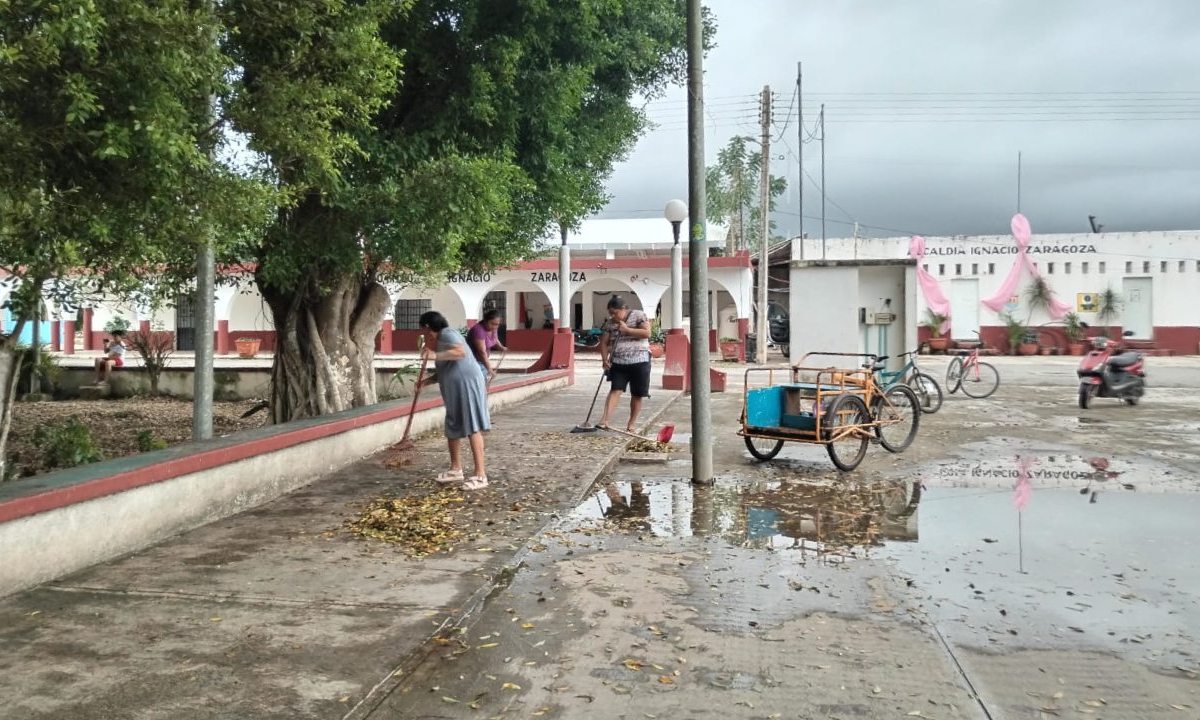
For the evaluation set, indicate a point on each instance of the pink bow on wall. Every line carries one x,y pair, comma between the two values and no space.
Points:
930,288
1021,233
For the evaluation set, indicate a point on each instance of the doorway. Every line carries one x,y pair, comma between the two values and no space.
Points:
964,309
1139,308
185,323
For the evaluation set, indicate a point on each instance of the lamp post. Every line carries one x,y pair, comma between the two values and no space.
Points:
676,212
564,281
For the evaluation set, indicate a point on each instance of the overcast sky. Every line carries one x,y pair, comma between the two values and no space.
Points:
928,103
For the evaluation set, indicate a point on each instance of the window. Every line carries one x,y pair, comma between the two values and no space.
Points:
974,268
1101,269
991,269
941,269
1162,266
1066,268
1182,266
958,269
1146,266
1083,268
1128,267
1049,268
408,313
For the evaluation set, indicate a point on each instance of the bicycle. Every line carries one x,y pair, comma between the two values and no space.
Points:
927,389
976,378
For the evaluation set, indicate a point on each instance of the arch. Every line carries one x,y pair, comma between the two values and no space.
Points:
535,296
248,311
445,299
592,295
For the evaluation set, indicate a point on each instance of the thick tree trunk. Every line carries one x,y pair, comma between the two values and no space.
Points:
10,370
325,345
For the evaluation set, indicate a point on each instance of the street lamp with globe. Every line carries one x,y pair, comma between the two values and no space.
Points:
676,212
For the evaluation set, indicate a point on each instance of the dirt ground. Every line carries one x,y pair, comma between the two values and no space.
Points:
114,425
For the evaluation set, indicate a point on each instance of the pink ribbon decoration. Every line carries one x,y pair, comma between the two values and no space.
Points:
930,288
1022,491
1021,233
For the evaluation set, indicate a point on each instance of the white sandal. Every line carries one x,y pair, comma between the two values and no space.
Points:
450,477
475,482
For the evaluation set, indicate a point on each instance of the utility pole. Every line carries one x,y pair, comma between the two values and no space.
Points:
702,471
205,304
800,146
764,260
822,181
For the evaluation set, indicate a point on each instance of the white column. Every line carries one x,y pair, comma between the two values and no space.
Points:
676,286
564,286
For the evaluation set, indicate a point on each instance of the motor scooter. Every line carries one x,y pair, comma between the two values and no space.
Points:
1107,371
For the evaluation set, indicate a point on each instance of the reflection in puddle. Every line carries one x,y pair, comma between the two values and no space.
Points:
767,515
1061,569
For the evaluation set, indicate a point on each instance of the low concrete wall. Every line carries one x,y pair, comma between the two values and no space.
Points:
62,522
231,384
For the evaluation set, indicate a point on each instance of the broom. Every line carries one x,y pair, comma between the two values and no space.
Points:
405,442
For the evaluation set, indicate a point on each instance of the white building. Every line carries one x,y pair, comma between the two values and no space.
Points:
1156,275
627,257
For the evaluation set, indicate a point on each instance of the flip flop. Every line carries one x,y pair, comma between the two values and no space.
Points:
449,477
475,482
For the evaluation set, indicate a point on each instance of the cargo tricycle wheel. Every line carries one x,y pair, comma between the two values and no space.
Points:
846,446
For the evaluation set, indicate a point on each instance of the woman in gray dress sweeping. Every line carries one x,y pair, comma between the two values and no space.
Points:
464,394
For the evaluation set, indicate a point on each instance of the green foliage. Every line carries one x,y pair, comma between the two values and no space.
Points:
656,332
1108,307
49,371
734,195
934,322
117,323
1015,330
67,444
1073,327
506,119
1039,296
146,441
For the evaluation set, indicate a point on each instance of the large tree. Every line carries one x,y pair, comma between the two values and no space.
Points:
106,170
735,194
505,119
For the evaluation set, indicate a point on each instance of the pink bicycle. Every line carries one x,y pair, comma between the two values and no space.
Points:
976,378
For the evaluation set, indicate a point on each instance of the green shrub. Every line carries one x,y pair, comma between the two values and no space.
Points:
147,442
49,370
67,445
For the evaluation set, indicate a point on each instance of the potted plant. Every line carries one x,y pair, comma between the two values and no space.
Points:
934,322
1015,331
1073,329
1029,343
247,347
656,339
1108,307
729,348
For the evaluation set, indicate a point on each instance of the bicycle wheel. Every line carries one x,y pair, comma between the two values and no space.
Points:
898,414
844,427
980,380
763,448
928,392
954,375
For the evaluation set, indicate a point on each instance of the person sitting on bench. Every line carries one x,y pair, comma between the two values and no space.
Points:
114,357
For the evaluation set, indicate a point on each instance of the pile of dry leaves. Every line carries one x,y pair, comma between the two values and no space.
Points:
418,525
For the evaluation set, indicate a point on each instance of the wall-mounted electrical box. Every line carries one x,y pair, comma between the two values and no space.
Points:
879,318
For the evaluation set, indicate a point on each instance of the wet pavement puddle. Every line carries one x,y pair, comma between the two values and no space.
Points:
1064,570
1058,549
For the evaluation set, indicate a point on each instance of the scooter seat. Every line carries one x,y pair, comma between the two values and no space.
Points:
1125,359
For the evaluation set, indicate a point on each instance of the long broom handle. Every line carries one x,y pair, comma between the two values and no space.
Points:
416,388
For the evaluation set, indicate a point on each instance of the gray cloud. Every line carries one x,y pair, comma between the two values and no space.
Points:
1099,96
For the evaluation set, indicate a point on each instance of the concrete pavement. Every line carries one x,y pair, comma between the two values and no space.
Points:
280,612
